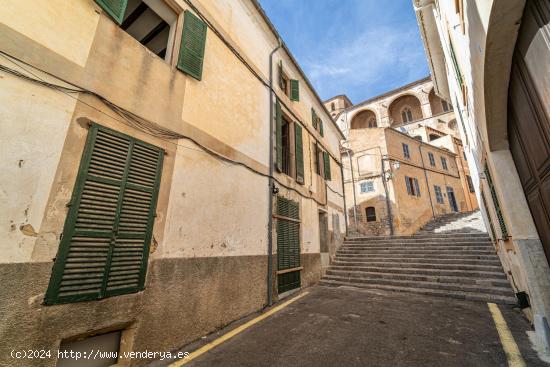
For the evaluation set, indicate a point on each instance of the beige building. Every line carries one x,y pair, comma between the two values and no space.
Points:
491,59
142,206
408,164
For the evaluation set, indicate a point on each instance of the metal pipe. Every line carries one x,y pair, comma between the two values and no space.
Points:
388,204
271,184
353,188
427,183
344,196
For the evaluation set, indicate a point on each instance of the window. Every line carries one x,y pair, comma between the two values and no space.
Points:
438,194
289,144
326,158
432,159
433,137
446,106
444,163
317,153
464,154
500,216
371,122
406,114
316,122
413,188
370,212
470,183
290,87
153,24
332,107
406,153
107,232
367,186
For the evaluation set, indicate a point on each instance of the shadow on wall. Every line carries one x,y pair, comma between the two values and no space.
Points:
372,217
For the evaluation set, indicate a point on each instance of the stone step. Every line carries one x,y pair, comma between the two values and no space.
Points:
432,292
395,264
501,291
423,271
419,238
437,255
416,244
418,277
410,252
418,260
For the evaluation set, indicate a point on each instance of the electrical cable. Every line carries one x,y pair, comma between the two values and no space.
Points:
131,119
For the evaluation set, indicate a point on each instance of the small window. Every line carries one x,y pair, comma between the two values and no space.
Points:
318,160
432,159
290,87
370,212
444,163
152,23
285,129
438,194
418,137
406,153
332,107
367,186
371,122
406,115
413,188
470,183
446,106
433,137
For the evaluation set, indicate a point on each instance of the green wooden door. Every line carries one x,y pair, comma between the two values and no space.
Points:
288,244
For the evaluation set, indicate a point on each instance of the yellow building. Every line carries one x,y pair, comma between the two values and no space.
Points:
142,204
413,129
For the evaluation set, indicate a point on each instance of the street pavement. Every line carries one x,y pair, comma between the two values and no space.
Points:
351,327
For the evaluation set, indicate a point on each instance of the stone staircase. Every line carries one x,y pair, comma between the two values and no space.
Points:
451,256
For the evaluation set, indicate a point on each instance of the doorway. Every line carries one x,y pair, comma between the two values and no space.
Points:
323,232
452,199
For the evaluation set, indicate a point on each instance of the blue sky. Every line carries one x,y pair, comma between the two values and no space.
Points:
361,48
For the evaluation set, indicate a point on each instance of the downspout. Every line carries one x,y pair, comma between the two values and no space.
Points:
271,185
426,177
353,188
388,204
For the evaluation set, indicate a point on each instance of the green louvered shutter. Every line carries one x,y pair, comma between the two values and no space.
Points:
314,118
193,41
299,153
115,8
288,234
321,128
106,237
294,90
281,78
496,203
278,136
326,158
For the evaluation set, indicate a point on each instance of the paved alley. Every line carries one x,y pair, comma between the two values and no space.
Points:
351,327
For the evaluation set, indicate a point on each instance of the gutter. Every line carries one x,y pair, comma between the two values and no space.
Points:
271,185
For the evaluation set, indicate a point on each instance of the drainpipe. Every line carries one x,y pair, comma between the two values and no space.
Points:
388,204
271,184
426,177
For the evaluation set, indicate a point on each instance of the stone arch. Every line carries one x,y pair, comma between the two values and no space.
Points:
363,119
437,104
398,110
502,31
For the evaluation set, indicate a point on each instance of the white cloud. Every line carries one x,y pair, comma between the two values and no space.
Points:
365,61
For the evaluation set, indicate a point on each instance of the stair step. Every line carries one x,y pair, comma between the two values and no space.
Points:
423,271
405,253
418,248
460,259
419,237
426,241
472,296
419,260
500,291
442,266
425,278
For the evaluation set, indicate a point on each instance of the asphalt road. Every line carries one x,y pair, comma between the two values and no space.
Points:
351,327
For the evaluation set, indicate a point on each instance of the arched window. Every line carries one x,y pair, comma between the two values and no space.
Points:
371,122
370,214
446,106
332,107
406,115
452,124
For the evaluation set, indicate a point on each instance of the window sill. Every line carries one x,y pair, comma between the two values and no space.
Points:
279,272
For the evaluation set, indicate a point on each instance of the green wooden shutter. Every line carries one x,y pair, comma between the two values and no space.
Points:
321,128
294,90
106,237
115,8
299,153
278,136
496,203
193,41
314,118
288,234
326,159
281,79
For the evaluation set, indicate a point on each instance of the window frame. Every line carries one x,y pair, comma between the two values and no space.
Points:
444,163
406,151
439,195
369,216
366,187
431,158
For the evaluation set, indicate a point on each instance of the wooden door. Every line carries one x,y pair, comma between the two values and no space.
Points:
529,113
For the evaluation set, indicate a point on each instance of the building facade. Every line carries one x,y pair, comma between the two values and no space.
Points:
161,177
403,161
491,59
